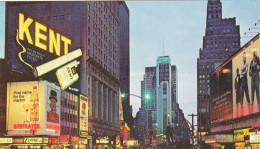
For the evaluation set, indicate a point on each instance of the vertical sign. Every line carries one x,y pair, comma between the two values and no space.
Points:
83,116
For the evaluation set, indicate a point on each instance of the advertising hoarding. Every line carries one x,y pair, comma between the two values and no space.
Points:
221,105
102,140
239,135
246,67
132,143
254,137
234,87
33,108
31,43
83,123
6,140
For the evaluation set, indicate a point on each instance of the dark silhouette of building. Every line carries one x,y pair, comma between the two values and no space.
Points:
221,40
124,63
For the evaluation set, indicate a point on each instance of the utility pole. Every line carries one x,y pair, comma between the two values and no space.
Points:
192,126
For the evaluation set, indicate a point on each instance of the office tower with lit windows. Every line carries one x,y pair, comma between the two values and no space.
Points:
163,95
153,87
221,40
94,27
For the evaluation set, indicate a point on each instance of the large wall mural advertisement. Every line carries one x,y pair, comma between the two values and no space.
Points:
246,68
234,87
33,108
38,50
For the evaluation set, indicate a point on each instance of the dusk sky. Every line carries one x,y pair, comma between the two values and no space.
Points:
181,24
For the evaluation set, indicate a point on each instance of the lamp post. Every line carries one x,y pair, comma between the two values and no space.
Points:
146,108
147,97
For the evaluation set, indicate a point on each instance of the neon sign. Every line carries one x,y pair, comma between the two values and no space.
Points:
40,35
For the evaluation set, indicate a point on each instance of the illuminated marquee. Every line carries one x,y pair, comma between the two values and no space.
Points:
41,30
6,140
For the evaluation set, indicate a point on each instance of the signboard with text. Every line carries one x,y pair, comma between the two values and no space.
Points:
35,140
239,135
221,103
35,108
6,140
83,123
32,43
234,86
255,137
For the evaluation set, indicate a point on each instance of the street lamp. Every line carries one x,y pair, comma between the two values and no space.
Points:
147,97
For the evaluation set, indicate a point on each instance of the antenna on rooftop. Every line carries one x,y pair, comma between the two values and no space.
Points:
163,47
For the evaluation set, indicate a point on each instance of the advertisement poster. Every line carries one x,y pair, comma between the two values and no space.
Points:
53,109
235,86
246,67
239,135
221,94
26,108
83,116
32,43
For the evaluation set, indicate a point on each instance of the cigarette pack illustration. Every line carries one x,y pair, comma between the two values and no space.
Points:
67,74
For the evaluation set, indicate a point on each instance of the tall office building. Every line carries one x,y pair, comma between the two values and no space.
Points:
221,40
124,63
162,91
95,28
163,95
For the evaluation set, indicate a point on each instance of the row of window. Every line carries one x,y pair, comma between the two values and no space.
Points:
68,130
69,117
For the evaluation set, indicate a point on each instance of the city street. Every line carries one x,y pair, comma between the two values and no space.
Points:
178,74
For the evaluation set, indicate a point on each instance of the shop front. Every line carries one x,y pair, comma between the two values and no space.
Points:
105,142
5,143
24,143
219,141
241,138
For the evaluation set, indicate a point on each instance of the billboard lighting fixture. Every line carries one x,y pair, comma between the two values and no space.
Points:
226,70
56,63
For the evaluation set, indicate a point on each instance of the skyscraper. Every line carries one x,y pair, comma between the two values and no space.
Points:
124,65
163,94
95,28
160,84
221,40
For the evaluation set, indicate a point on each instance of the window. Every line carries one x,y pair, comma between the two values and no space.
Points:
164,88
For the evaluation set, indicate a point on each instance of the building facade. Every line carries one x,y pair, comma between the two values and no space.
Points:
234,101
160,84
221,40
94,27
164,96
124,62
